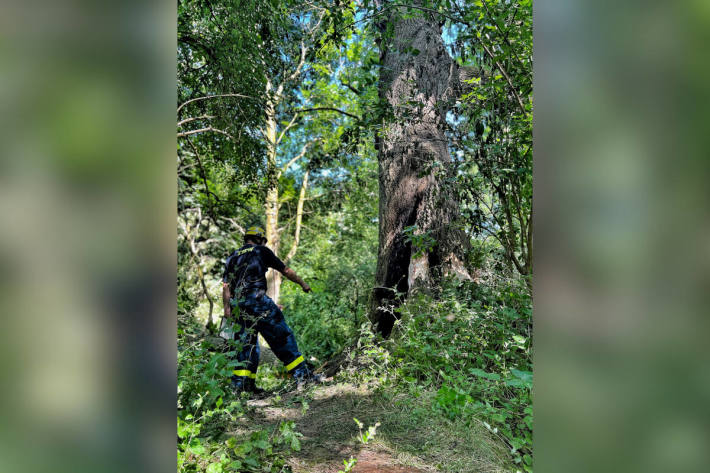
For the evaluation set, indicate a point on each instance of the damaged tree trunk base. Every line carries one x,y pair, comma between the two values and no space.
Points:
419,240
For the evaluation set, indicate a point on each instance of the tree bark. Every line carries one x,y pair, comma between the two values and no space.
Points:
274,173
271,205
276,277
419,240
299,218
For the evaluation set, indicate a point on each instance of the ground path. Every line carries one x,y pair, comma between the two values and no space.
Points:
404,443
329,431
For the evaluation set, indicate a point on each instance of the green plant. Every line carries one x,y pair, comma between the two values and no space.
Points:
469,343
206,406
422,242
473,344
324,322
364,438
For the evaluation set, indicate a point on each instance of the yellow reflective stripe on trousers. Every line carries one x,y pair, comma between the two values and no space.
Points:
244,373
294,363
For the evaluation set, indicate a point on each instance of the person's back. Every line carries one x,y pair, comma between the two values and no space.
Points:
246,268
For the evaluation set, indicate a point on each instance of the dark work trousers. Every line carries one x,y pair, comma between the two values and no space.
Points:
259,314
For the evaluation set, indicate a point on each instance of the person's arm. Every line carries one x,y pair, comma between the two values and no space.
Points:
272,261
292,276
226,295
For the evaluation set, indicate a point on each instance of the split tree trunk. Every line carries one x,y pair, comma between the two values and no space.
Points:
418,81
276,277
274,172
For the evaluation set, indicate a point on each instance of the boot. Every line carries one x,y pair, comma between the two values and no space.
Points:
248,385
304,374
252,388
240,385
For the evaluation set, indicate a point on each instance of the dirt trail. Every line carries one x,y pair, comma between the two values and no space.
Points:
329,431
404,442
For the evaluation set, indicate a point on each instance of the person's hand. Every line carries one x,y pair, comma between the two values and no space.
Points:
306,287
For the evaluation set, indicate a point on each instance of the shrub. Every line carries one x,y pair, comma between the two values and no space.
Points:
206,406
472,344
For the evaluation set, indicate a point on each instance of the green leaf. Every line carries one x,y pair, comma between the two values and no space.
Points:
214,468
526,376
182,429
196,447
262,444
252,461
243,449
480,373
517,383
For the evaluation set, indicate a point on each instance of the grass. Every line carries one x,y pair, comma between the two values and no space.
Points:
412,430
411,433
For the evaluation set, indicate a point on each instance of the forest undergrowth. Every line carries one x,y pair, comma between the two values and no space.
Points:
450,390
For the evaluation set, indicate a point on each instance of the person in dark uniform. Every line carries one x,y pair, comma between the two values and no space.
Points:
244,295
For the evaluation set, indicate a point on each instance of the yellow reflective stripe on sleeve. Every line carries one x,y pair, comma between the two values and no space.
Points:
252,376
242,373
294,363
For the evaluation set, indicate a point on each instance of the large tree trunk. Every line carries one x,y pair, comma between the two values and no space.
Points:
419,82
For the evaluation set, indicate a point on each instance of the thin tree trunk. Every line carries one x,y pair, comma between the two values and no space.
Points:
271,205
418,81
272,229
277,277
299,218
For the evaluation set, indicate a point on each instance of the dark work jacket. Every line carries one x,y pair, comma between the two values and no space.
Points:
245,270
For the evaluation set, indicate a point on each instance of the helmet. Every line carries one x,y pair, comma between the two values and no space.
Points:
256,231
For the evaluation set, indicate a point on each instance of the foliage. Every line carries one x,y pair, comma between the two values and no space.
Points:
494,131
473,344
422,242
220,51
337,257
206,407
201,375
324,323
